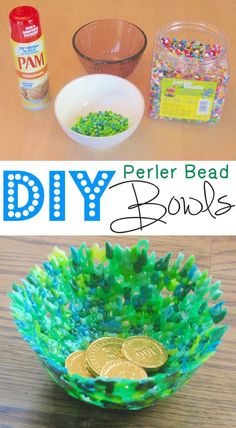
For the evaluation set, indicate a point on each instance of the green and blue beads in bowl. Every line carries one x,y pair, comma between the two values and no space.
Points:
101,124
114,291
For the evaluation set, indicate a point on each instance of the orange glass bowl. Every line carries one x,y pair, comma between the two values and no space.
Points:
109,46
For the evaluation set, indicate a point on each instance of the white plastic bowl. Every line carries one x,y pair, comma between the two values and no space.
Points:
99,92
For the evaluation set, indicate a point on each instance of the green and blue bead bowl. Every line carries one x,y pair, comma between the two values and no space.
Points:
113,291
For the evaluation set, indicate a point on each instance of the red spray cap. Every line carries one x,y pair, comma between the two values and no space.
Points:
25,24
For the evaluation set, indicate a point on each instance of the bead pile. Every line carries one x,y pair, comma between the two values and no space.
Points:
101,124
192,49
189,60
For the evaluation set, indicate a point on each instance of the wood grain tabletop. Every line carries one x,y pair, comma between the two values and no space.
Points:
27,135
30,399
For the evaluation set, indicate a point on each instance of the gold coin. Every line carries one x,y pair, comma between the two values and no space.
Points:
76,364
123,369
102,351
145,352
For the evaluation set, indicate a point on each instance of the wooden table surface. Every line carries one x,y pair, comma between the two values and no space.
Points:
27,135
30,399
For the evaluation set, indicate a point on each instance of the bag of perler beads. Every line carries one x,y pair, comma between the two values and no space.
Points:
190,73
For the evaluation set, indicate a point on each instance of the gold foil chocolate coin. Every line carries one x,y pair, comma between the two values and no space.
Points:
76,364
145,352
123,369
102,351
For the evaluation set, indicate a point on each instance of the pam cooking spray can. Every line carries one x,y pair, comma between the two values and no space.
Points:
29,57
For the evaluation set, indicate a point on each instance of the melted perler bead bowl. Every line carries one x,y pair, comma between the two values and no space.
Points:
113,291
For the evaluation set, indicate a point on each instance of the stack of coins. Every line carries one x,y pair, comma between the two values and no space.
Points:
114,357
